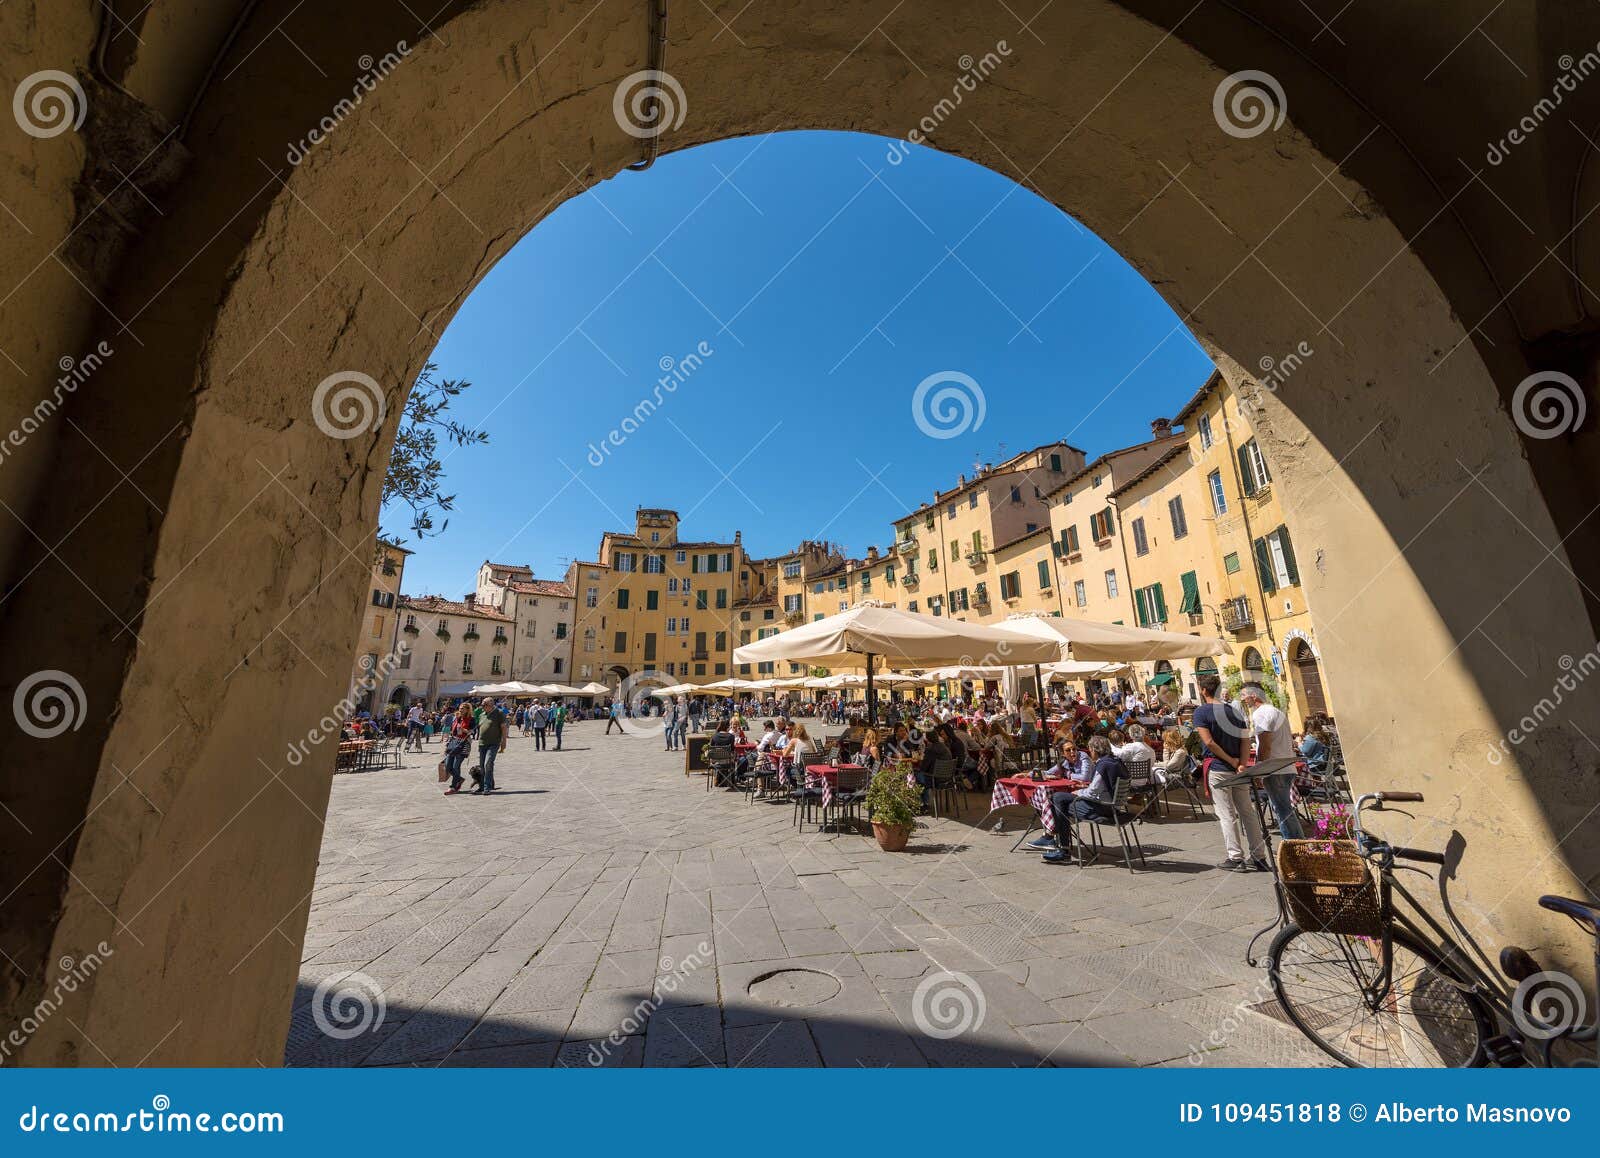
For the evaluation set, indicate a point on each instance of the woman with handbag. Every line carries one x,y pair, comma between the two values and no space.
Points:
457,745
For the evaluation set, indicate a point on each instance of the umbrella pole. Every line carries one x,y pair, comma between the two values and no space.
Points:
872,700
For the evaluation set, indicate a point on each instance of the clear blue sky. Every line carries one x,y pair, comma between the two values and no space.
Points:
827,284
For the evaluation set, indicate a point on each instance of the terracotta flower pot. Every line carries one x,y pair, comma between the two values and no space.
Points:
891,837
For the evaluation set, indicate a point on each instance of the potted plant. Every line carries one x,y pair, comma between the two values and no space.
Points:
893,803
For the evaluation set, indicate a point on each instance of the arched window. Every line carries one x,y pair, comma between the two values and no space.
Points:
1252,661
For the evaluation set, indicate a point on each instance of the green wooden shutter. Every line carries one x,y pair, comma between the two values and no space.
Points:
1161,604
1247,474
694,564
1138,608
1269,579
1190,583
1288,557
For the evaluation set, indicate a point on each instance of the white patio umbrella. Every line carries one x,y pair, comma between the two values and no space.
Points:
869,632
1086,639
674,690
815,682
559,690
593,689
731,684
494,689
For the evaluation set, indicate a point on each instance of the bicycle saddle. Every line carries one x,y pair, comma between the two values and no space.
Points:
1581,911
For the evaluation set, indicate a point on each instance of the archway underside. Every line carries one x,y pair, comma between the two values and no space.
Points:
249,524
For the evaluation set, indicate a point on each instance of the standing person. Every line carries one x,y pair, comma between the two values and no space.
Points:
492,737
539,720
414,728
614,718
696,711
457,746
558,720
1221,729
669,721
1030,720
1273,742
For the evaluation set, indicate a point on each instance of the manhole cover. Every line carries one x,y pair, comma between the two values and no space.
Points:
794,987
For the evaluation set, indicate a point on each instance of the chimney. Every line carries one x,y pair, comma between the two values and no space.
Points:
1160,427
872,554
472,598
962,480
737,535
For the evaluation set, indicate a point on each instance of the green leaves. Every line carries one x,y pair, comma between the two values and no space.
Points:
416,472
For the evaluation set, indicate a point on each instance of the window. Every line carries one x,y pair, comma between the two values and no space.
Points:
912,606
622,598
722,641
1219,500
955,550
699,600
791,603
1205,432
1111,584
1141,544
588,639
727,561
466,664
1011,585
649,647
1150,606
722,669
411,620
555,665
627,562
933,560
972,501
1066,498
958,600
672,625
382,598
1016,494
950,511
1230,562
1253,474
1180,525
767,614
652,600
1080,596
591,597
1190,582
744,637
1055,463
680,557
977,541
672,586
494,665
530,630
790,570
1069,541
1044,574
1275,561
684,586
621,641
561,630
655,564
699,669
866,581
936,606
1095,482
1100,526
722,598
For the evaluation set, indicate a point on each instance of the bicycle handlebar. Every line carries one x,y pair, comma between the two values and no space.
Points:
1399,797
1371,845
1421,854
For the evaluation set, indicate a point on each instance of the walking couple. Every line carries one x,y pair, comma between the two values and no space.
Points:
493,733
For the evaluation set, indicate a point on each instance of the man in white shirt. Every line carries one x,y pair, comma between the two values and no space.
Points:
1273,742
414,727
1136,748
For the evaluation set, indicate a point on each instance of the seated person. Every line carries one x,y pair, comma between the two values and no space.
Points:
1135,748
872,747
1314,750
1091,803
934,749
719,749
964,747
1179,765
1072,764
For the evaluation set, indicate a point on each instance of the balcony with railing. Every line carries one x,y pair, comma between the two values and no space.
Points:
910,579
980,595
906,544
978,557
793,616
1237,615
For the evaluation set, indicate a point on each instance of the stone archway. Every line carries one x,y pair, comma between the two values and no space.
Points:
1306,678
270,278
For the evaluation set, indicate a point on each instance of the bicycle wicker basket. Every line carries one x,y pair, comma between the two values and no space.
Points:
1328,888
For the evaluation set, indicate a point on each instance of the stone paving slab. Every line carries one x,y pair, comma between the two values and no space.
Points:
607,911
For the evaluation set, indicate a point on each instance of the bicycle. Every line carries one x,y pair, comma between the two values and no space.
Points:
1375,983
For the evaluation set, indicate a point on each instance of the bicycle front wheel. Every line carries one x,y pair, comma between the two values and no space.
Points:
1424,1021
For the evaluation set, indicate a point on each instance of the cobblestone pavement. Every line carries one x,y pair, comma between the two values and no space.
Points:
602,909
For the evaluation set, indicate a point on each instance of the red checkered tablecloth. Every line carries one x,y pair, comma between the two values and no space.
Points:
826,777
1024,790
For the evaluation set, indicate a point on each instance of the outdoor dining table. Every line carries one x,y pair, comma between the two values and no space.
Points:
826,777
1027,790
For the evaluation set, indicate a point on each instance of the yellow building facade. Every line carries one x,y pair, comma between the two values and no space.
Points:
377,634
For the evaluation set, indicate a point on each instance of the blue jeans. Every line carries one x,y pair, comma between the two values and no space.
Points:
453,762
1069,806
486,755
1278,788
558,736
